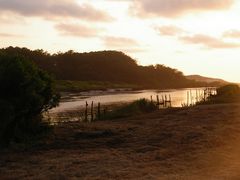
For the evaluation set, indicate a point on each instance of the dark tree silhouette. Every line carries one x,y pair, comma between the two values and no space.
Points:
26,92
109,66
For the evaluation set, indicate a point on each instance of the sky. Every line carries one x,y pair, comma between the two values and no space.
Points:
194,36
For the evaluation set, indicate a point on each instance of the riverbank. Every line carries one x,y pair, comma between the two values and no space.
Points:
71,102
81,86
200,142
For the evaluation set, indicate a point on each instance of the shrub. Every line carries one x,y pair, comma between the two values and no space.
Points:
7,118
229,90
136,107
226,94
26,92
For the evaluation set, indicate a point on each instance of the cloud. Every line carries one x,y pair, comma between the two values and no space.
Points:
174,8
208,41
169,30
232,34
132,50
13,19
51,9
114,42
77,30
123,44
8,35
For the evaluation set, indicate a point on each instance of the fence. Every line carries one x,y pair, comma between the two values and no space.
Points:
96,111
200,96
92,112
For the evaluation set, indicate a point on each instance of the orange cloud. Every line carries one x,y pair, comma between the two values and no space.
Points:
232,34
123,44
52,9
208,41
169,30
111,42
174,8
7,35
77,30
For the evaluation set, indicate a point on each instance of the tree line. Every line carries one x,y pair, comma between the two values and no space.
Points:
107,66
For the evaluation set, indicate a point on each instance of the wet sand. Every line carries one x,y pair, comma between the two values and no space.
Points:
194,143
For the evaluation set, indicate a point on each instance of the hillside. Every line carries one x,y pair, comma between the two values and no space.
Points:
106,66
206,79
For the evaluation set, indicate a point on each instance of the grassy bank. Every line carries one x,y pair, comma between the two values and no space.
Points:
226,94
107,112
178,143
134,108
76,86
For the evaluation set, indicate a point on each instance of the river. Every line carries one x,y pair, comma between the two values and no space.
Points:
72,104
71,101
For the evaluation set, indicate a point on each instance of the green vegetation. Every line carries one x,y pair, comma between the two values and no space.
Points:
76,86
137,107
26,92
230,90
226,94
105,66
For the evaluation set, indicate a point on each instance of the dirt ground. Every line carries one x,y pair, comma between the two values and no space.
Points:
194,143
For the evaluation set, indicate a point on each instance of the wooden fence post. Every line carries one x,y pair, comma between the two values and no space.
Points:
86,112
163,101
191,97
170,100
92,111
204,95
104,112
166,101
158,103
99,111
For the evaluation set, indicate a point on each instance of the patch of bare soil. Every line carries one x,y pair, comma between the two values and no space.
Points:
194,143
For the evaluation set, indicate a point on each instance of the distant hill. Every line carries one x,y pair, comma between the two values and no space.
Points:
206,79
107,66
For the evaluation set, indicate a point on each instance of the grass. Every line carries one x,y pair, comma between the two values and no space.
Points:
23,136
137,107
223,99
225,94
75,86
27,141
200,142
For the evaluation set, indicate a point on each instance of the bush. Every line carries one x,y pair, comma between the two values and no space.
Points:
136,107
7,118
226,94
229,90
25,93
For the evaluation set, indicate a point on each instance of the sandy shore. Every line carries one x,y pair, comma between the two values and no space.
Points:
196,143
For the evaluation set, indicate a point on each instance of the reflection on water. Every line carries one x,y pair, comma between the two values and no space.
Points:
71,101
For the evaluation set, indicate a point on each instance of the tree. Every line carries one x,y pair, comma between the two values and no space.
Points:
25,93
230,90
106,66
226,94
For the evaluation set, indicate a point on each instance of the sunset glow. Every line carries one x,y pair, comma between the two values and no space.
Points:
195,36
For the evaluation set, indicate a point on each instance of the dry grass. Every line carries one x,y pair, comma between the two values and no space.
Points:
194,143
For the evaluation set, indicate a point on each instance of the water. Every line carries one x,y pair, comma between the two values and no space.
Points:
73,101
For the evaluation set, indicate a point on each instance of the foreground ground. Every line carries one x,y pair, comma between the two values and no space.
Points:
195,143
